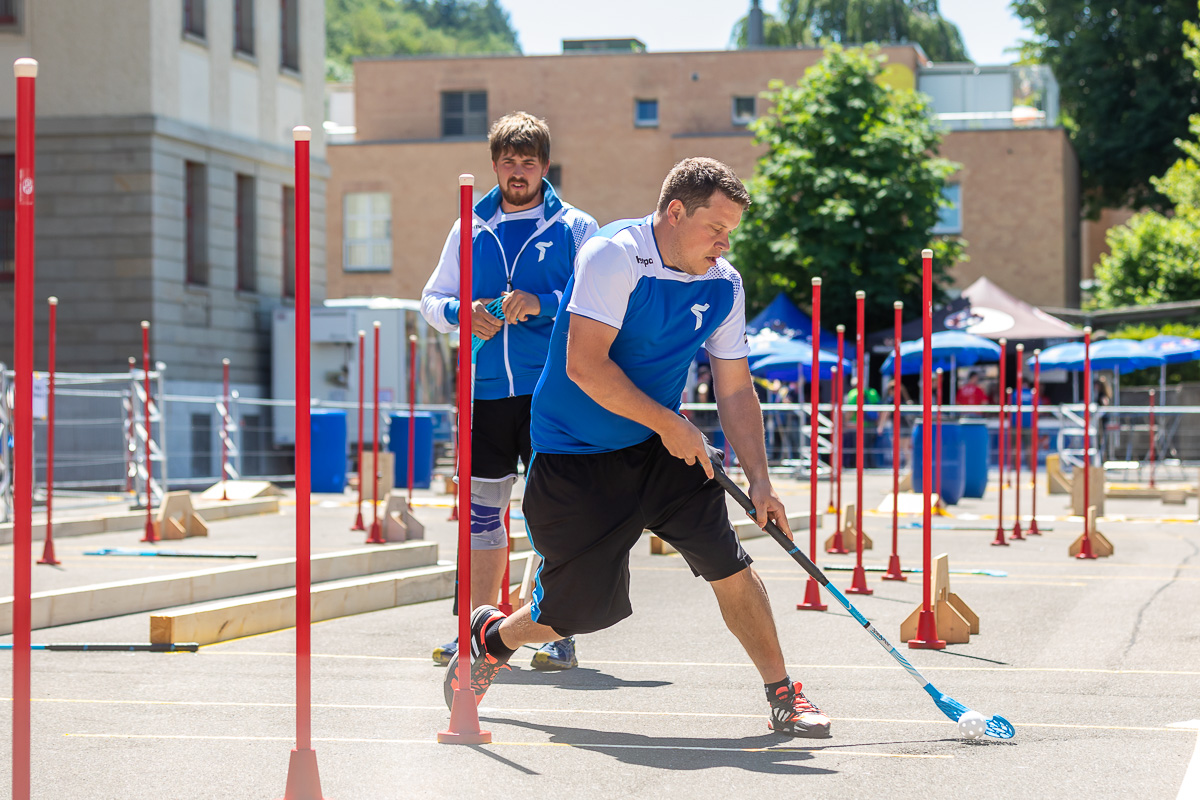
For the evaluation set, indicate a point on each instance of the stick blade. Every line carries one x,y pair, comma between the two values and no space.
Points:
997,727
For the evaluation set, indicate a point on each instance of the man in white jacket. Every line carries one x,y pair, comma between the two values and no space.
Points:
524,243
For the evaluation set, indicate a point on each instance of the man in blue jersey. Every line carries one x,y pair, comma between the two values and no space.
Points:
615,457
524,243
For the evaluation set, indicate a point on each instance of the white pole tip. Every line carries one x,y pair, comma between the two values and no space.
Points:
362,334
412,337
377,323
1037,352
841,328
25,68
816,282
1088,330
225,361
1020,348
860,295
52,301
1003,342
145,324
898,304
927,253
301,133
466,179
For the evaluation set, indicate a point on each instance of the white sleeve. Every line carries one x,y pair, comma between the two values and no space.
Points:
442,287
728,341
604,279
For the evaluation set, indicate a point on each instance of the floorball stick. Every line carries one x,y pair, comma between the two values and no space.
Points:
997,726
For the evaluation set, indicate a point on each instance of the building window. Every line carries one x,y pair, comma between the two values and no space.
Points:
554,175
243,27
464,114
743,110
8,219
9,13
367,232
247,232
196,257
645,113
289,34
193,18
289,241
202,445
950,213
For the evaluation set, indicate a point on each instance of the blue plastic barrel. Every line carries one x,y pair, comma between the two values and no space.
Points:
422,449
953,456
977,446
328,427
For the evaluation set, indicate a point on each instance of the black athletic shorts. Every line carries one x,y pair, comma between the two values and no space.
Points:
500,436
585,512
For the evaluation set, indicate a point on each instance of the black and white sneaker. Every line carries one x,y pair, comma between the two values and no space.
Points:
792,713
484,667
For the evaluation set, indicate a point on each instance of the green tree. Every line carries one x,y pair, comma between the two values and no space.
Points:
1126,90
357,28
1152,257
848,190
808,22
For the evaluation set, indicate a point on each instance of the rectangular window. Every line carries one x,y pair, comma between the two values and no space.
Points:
289,241
645,113
367,232
464,114
8,221
243,27
193,18
554,175
8,12
202,445
289,34
247,233
950,213
196,257
743,110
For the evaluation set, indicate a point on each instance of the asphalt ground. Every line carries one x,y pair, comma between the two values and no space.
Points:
1094,663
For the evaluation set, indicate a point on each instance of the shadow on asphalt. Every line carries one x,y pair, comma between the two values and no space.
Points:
584,679
764,754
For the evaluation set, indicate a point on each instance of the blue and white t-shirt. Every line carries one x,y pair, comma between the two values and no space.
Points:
663,317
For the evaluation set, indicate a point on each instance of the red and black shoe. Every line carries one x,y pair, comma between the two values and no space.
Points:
484,667
792,713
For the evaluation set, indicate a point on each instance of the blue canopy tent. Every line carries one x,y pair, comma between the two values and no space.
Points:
782,318
788,356
1119,355
951,350
1175,350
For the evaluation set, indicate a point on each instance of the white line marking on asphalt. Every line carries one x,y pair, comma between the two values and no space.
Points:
1190,788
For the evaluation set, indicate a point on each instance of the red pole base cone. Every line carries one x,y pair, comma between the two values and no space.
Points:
303,782
812,597
464,722
999,540
1033,528
376,536
832,509
838,545
1085,549
48,554
151,534
358,523
505,608
453,515
893,571
858,584
1016,533
926,633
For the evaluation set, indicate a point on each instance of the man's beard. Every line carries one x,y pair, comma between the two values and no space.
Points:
523,198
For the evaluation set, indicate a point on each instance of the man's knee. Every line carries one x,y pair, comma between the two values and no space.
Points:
489,499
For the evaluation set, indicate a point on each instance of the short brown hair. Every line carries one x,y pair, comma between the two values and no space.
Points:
523,134
693,181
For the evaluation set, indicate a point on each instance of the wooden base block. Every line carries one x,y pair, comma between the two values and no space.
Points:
1095,495
399,525
1057,481
955,619
906,482
1101,546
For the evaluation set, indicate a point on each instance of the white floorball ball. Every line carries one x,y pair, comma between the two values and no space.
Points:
972,724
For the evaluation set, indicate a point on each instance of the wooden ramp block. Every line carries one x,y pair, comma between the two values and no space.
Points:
849,540
384,475
955,619
906,482
1095,495
177,518
241,490
399,525
1101,546
1057,481
1174,497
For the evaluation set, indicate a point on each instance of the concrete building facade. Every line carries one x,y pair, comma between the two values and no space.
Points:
621,119
165,184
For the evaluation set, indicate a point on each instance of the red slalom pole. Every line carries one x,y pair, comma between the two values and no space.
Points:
999,540
1151,456
224,421
25,70
358,517
812,589
1035,401
454,438
48,541
150,535
893,571
1016,530
464,713
505,600
130,459
927,638
938,428
835,407
1085,548
412,410
858,584
303,779
376,535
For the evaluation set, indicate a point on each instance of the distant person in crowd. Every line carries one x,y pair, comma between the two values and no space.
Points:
971,393
870,397
524,243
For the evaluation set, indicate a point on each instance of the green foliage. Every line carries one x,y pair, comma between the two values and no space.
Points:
1152,257
1176,373
1126,90
808,22
848,190
357,28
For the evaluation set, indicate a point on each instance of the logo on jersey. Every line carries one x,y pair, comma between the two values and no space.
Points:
542,247
645,262
699,310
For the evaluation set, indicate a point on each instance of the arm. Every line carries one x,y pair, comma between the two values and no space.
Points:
741,419
591,368
439,298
